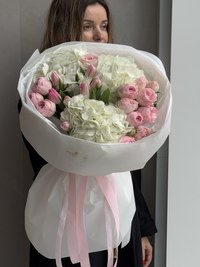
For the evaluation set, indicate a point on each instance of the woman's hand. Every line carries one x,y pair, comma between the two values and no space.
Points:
147,251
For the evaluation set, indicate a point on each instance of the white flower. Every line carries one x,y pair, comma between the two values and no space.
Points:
115,71
65,61
94,121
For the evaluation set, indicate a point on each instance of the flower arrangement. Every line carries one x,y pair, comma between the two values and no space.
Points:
100,98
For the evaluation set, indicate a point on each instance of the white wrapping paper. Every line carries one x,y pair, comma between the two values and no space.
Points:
67,154
75,155
45,203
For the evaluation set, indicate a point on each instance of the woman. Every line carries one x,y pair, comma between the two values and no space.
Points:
89,20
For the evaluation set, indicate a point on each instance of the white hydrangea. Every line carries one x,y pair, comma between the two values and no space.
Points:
65,61
92,120
115,71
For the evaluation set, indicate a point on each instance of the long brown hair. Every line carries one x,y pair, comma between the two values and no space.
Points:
64,21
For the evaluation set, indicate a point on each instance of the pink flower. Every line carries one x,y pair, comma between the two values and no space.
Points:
90,71
46,107
84,89
142,132
127,104
66,100
35,98
127,139
89,59
128,90
141,82
149,114
153,85
146,97
42,86
54,96
134,118
96,82
65,126
55,78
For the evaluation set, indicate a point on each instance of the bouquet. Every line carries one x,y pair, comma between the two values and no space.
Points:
99,98
93,112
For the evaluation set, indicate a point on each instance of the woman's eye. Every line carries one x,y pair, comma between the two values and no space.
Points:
104,27
87,27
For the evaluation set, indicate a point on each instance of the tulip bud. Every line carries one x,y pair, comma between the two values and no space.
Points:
96,82
141,82
126,139
46,107
65,126
35,98
55,78
90,71
153,85
42,86
54,96
135,118
84,89
66,100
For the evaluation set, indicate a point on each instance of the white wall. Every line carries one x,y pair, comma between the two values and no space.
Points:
183,233
20,30
162,154
13,182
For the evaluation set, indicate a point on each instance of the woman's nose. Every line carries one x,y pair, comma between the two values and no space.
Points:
97,35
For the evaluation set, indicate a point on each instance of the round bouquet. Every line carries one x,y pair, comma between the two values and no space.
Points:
93,112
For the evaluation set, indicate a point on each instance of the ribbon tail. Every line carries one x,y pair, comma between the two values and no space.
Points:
61,226
71,222
107,185
81,232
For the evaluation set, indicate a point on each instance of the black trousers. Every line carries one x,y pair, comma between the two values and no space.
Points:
129,256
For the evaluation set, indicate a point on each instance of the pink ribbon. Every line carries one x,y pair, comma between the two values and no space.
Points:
61,226
107,185
72,216
71,221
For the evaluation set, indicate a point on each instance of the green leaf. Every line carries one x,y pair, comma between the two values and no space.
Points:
62,94
61,85
76,77
98,93
105,96
93,93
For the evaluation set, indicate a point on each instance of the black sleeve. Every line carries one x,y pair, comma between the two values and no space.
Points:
147,224
37,161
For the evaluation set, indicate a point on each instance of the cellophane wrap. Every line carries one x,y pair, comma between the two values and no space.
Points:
66,154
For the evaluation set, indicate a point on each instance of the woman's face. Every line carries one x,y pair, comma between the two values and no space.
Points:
95,24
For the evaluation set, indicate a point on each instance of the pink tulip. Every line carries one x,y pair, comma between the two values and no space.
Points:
146,97
129,91
42,86
149,114
84,89
35,97
55,78
96,82
153,85
90,71
141,82
142,132
66,100
135,118
54,96
46,107
65,126
127,104
127,139
90,59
